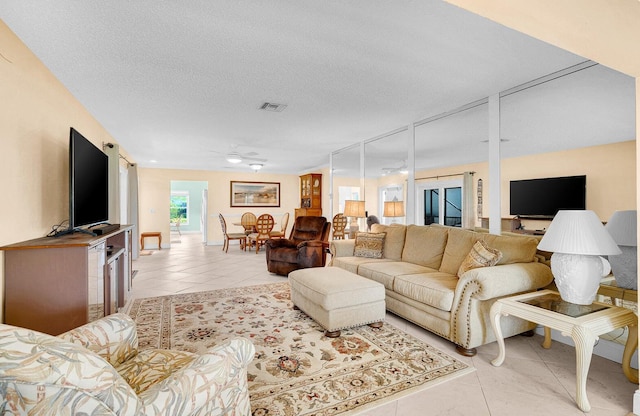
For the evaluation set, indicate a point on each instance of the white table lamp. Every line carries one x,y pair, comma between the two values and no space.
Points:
577,239
623,229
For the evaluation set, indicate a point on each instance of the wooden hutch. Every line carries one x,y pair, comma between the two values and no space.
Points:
310,195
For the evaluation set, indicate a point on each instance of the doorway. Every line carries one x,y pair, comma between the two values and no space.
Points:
188,208
440,203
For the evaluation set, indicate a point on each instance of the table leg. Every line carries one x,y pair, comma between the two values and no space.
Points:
629,349
496,313
547,338
584,340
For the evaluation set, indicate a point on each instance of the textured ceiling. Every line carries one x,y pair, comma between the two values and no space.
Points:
181,83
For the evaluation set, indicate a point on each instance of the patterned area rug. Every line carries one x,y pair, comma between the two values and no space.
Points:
296,370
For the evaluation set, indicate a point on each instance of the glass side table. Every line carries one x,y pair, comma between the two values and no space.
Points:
584,323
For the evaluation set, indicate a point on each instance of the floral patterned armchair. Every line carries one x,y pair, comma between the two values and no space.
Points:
97,369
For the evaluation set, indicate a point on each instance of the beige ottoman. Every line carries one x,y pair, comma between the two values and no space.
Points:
337,299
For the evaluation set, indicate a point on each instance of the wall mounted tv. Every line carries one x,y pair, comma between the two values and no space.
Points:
88,183
543,198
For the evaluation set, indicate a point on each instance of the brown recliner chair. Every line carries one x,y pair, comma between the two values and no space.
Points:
306,246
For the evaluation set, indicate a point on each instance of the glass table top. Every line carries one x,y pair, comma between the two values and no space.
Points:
554,303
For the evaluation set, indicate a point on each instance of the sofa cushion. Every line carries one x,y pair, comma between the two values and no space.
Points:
152,366
481,255
458,246
393,241
385,272
514,249
369,245
434,289
352,263
424,245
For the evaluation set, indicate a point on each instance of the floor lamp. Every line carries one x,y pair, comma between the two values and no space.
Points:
355,210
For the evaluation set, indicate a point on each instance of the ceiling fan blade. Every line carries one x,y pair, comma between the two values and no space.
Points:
255,159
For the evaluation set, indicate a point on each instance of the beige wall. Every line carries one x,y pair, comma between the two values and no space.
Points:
610,171
36,111
155,190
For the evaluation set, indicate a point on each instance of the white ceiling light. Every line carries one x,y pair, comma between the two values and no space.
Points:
256,166
234,158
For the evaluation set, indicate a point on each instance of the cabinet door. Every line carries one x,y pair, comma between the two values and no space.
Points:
111,286
95,274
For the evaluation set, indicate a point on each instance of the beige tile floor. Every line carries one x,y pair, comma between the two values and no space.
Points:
532,381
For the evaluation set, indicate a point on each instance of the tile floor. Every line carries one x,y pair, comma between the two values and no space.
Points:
532,381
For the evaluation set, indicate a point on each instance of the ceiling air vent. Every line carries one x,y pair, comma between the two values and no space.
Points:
273,107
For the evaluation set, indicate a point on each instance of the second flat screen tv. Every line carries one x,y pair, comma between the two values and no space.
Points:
543,198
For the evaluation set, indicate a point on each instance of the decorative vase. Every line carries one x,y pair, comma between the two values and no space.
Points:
625,267
578,276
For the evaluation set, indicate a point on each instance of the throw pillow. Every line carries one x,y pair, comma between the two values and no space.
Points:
369,245
481,255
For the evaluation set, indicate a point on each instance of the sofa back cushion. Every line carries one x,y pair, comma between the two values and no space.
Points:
520,249
393,241
514,249
459,244
308,228
424,245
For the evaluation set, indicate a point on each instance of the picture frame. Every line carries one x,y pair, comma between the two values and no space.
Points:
254,194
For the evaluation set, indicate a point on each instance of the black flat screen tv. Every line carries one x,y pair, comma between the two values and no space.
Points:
88,183
543,198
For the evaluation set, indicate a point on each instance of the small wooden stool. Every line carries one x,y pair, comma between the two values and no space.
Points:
151,234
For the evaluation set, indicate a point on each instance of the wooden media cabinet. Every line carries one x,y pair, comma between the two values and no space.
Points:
54,284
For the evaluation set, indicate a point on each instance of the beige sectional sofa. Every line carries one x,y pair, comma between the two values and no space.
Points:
419,268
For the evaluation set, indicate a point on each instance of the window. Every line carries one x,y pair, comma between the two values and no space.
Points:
179,209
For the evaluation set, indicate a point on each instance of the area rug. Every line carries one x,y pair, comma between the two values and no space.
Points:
296,369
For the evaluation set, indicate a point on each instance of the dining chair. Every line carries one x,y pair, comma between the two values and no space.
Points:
231,236
339,224
248,221
283,227
264,225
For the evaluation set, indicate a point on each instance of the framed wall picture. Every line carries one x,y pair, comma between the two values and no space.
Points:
255,194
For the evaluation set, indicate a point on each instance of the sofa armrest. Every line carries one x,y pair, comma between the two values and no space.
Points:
279,242
479,288
113,337
342,248
311,253
504,280
310,244
214,384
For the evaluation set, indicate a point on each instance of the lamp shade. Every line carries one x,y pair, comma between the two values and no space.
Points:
394,209
622,227
578,232
354,208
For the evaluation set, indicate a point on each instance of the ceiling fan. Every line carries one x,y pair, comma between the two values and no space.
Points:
400,169
235,157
